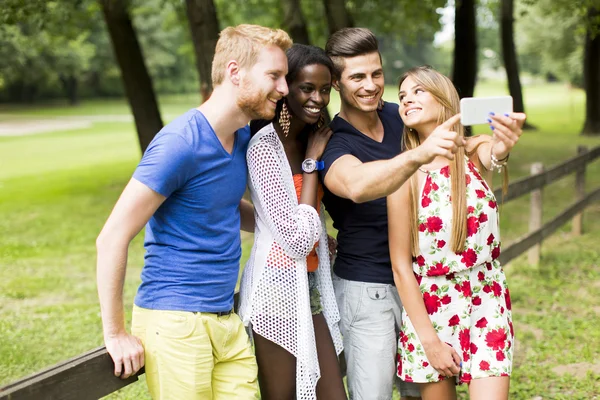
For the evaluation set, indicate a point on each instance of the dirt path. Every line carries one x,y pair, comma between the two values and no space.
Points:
13,125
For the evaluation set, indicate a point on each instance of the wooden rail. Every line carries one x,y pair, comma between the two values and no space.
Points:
90,375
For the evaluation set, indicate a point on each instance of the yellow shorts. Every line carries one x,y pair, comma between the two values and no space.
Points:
196,355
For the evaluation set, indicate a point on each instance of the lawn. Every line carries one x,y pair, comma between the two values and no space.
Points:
57,189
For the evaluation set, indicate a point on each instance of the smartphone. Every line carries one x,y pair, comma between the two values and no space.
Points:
476,110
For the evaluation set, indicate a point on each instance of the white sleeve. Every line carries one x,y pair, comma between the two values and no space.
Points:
295,227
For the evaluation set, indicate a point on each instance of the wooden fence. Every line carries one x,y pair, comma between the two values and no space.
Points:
90,375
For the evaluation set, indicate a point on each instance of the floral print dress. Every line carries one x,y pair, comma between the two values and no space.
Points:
465,293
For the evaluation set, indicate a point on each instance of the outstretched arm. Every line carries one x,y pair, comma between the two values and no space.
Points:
506,133
441,356
352,179
133,209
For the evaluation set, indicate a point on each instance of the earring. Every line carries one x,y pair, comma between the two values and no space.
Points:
284,119
321,121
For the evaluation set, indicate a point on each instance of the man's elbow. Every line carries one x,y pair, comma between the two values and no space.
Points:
358,194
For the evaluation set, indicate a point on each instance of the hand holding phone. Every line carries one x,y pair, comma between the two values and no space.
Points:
476,110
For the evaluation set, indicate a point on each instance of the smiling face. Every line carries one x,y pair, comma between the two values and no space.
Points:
419,109
361,82
309,93
262,85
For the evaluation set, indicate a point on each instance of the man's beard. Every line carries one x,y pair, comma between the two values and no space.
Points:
253,102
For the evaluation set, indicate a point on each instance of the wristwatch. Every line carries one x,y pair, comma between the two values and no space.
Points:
311,165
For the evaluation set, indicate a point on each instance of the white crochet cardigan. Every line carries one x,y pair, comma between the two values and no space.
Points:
274,290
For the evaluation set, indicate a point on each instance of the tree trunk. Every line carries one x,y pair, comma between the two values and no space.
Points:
591,78
337,14
136,79
509,56
464,74
204,25
294,22
69,84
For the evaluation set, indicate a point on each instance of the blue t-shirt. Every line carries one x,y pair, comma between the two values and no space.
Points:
362,254
192,241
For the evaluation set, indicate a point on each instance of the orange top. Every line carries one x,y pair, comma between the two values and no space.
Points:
312,261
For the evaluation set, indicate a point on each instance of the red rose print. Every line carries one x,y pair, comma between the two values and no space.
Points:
434,224
512,331
490,239
441,243
496,252
466,356
425,201
403,337
411,348
464,337
435,187
476,301
446,300
470,210
496,338
434,287
497,289
466,289
487,288
427,186
425,364
438,269
467,179
507,299
450,277
483,217
466,378
480,194
480,276
432,303
501,310
500,355
421,261
482,323
469,257
399,365
473,348
407,378
454,320
422,227
472,226
445,171
418,278
484,365
492,204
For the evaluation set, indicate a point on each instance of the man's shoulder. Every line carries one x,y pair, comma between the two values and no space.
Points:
390,111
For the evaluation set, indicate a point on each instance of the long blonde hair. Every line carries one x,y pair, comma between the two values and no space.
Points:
442,89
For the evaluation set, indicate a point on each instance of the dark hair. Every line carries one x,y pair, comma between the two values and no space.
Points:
350,42
298,56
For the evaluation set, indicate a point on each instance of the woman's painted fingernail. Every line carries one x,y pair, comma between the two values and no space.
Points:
506,115
491,113
492,128
489,121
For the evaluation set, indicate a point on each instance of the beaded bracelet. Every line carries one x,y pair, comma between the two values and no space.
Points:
496,164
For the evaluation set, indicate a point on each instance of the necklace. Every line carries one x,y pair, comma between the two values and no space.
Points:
424,171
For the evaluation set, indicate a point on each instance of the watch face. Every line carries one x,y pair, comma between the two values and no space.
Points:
309,165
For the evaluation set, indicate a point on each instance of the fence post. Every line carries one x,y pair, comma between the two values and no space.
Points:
579,193
535,215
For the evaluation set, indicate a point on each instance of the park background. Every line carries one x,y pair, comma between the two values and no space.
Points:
85,84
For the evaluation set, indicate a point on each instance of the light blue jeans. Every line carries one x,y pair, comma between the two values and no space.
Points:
370,322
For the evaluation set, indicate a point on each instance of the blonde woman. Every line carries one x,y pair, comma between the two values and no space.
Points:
444,246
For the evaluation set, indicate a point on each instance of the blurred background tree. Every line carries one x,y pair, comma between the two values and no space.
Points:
65,49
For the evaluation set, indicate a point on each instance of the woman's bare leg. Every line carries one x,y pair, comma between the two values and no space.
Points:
492,388
330,385
443,390
276,370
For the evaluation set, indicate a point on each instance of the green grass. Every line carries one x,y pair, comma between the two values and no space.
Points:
57,189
